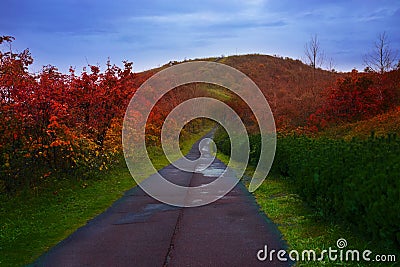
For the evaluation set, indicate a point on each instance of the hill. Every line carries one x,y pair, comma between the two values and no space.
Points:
293,89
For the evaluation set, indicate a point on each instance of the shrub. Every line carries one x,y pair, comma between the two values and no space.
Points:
356,182
353,182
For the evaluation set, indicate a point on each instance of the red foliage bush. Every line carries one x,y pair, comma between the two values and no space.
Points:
58,122
358,96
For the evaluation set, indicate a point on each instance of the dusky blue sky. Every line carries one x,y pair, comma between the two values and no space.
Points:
150,33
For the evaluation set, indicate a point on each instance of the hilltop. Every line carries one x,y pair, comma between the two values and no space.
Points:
293,89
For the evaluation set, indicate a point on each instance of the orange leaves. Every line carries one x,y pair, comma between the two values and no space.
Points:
59,142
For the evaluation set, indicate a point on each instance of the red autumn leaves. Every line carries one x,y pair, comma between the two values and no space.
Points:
356,97
54,121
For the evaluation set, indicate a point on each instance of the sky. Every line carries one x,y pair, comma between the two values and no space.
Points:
151,33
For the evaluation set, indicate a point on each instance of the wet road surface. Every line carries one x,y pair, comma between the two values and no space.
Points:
138,230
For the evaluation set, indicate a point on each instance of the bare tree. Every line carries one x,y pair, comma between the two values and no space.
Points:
382,58
313,52
330,65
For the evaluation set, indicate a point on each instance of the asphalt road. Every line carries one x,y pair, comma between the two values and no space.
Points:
138,230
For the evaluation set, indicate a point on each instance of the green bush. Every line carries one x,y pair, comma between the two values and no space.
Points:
354,182
222,141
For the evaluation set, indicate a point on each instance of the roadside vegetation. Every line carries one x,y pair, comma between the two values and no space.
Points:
32,221
302,202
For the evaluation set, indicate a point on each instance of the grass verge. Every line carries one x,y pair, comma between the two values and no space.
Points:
304,230
33,221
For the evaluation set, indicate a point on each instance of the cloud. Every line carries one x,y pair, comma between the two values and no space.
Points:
376,15
209,19
181,18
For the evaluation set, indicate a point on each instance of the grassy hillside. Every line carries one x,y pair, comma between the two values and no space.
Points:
379,125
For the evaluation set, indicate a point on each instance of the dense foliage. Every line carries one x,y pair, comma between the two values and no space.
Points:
353,182
54,122
357,97
356,182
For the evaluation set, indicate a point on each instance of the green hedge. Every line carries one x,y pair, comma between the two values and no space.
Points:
223,143
356,182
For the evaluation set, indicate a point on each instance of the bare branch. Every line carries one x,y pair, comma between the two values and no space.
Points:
382,58
314,55
330,65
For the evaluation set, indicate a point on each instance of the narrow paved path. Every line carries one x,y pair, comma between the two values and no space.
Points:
140,231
